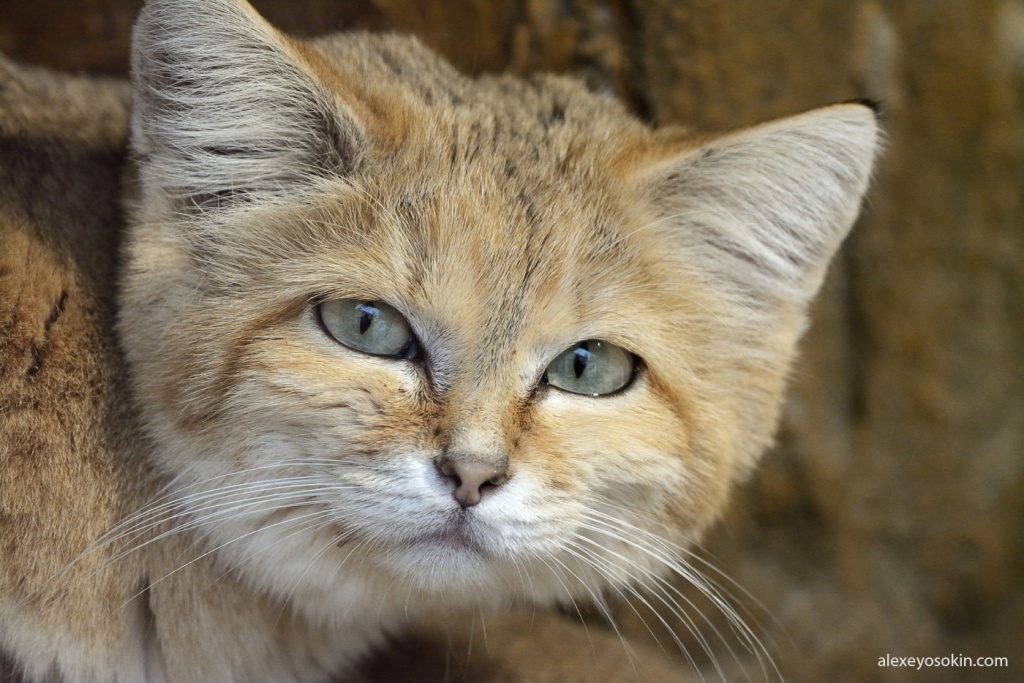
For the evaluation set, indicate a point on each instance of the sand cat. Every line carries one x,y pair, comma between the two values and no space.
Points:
391,343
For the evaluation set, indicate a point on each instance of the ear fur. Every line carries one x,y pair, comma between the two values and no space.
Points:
226,107
755,217
766,208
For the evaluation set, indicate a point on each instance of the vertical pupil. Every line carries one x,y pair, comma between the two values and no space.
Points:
366,319
579,359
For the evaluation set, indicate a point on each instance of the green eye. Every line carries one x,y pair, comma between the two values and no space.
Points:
369,326
591,367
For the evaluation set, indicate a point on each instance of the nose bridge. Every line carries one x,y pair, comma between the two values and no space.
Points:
480,441
484,390
481,430
475,460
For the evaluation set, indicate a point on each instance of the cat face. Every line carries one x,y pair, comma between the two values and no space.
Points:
394,331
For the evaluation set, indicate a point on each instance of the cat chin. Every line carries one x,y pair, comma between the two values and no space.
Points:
445,576
389,586
331,580
449,569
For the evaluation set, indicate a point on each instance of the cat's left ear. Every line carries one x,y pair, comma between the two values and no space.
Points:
753,219
226,107
762,211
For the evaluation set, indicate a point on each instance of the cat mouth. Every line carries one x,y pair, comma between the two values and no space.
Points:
453,537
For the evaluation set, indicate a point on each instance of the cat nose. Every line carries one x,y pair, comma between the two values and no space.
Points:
470,479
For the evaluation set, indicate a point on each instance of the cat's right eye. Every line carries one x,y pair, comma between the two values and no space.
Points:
371,327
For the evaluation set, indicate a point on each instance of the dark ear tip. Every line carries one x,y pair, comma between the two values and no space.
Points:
874,105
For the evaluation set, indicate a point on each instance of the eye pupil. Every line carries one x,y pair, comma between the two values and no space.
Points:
579,360
366,318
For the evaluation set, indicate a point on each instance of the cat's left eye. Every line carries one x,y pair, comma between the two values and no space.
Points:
592,367
372,327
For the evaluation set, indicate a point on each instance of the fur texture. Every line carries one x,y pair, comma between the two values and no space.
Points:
301,515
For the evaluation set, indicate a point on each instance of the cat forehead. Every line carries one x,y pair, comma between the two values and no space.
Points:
496,180
537,117
510,255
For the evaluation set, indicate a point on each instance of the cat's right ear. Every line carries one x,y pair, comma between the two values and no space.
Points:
226,108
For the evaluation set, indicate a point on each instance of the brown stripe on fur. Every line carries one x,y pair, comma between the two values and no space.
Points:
230,371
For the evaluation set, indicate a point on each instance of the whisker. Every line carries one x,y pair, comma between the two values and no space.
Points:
668,593
679,552
585,555
600,604
219,547
666,599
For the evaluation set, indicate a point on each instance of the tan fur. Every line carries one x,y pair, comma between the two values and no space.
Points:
268,518
67,471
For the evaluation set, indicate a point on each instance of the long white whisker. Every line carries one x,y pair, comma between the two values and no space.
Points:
600,604
677,610
219,547
584,555
708,586
668,593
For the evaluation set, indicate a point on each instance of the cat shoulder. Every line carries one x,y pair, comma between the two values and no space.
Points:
64,428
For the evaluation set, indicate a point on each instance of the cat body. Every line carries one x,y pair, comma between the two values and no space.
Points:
399,343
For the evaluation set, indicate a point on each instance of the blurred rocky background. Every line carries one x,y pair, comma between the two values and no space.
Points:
890,518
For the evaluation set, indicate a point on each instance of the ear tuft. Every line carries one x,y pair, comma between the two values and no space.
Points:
225,107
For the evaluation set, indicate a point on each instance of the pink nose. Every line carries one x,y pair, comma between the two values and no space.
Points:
469,480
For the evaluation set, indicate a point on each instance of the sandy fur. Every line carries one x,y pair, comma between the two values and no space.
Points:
301,518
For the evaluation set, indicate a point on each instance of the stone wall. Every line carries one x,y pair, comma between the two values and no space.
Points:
890,518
